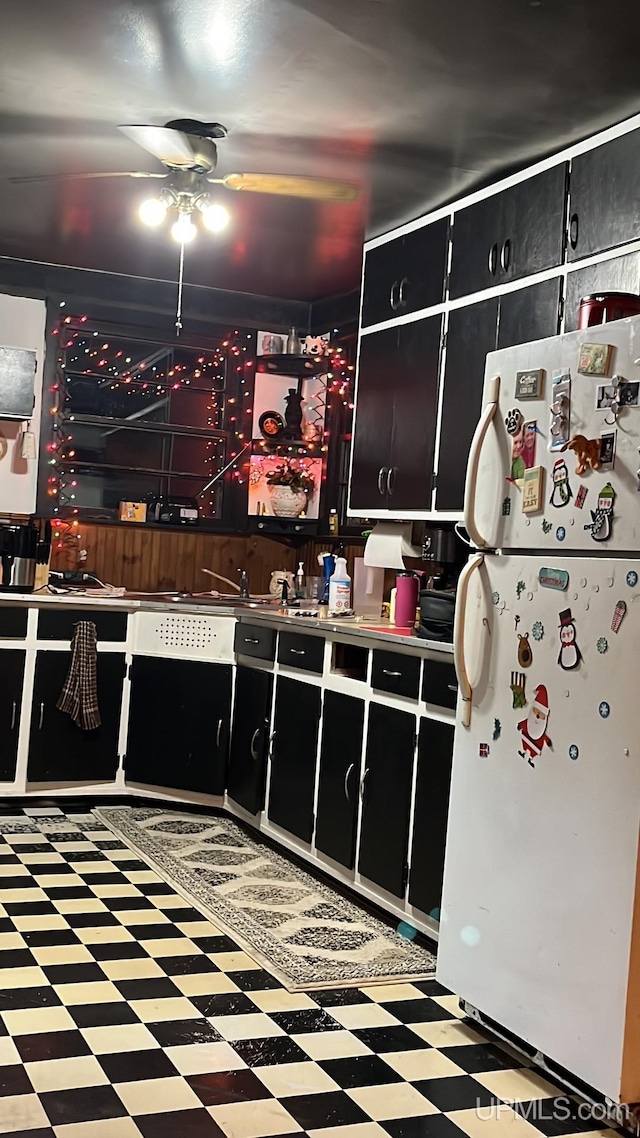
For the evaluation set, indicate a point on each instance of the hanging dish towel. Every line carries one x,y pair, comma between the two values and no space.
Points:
79,696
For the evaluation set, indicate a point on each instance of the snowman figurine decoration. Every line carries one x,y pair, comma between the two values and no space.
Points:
561,493
570,655
602,516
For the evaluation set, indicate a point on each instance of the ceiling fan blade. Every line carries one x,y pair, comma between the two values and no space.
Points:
165,143
85,177
322,189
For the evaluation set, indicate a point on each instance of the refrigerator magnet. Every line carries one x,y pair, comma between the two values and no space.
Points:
580,497
525,655
632,578
602,644
608,449
497,730
517,685
570,655
561,493
587,452
595,359
533,729
546,526
484,750
537,630
553,579
529,384
506,507
513,420
619,613
532,484
602,517
560,411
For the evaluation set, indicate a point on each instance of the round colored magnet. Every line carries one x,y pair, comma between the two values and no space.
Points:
632,578
537,630
602,644
604,710
561,533
495,598
573,751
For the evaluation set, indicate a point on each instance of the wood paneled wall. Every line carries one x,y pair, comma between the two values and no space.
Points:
155,560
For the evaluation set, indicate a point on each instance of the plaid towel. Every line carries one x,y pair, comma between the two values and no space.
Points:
79,696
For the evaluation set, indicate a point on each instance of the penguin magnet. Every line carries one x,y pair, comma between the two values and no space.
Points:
602,516
570,655
561,493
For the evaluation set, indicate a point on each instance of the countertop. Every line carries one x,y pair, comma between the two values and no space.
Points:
168,602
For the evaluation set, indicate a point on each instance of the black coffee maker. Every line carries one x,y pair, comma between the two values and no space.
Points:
445,553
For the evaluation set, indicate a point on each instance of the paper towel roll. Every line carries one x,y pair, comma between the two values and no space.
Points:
389,544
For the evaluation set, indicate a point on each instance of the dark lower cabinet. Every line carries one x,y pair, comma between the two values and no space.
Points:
435,752
250,738
179,720
340,757
11,680
293,756
386,798
60,751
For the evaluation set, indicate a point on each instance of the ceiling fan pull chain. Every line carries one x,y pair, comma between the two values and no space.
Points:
180,283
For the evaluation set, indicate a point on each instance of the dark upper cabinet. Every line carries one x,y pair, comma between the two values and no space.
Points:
59,750
620,274
386,798
339,780
250,738
529,313
435,751
514,233
415,405
179,719
604,208
371,454
471,334
405,274
11,679
293,756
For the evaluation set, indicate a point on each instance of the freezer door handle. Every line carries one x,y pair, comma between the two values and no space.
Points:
474,462
462,593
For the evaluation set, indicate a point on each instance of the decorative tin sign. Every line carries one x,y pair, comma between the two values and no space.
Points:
553,579
529,384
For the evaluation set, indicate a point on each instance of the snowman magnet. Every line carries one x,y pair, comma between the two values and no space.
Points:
570,655
602,516
561,494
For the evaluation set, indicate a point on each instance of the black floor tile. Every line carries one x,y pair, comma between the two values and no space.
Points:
46,1133
14,999
417,1011
124,904
45,938
178,1032
119,950
270,1051
69,893
14,1081
181,916
128,1066
180,1124
103,878
215,944
157,932
254,980
228,1086
431,987
340,997
382,1039
109,845
458,1092
152,888
17,958
91,920
423,1126
555,1117
30,908
334,1108
85,855
360,1071
46,868
7,925
74,973
103,1015
478,1057
83,1104
155,988
312,1019
224,1004
192,965
50,1045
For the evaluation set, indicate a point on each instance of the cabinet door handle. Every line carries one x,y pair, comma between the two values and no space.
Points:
401,297
393,300
297,651
492,260
218,732
391,479
272,738
252,745
383,474
388,672
573,230
452,687
346,781
505,255
364,783
41,717
14,709
251,640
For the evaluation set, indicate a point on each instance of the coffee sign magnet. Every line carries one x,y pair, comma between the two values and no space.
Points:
529,384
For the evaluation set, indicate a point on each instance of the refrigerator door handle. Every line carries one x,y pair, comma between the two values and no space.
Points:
471,485
466,691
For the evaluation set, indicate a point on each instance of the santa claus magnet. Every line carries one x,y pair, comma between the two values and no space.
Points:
570,655
533,729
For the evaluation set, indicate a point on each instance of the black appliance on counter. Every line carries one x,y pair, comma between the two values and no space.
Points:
18,557
173,511
444,550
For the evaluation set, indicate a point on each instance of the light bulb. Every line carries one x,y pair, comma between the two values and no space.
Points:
183,230
152,211
214,216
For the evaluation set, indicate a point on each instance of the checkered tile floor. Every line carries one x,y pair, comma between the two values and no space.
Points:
123,1012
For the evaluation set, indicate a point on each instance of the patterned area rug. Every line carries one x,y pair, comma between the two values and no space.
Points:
309,936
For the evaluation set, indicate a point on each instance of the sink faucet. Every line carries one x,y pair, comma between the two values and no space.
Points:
244,584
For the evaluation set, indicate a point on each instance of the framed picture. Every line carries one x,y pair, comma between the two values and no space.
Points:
595,359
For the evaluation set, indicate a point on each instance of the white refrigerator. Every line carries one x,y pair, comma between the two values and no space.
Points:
540,919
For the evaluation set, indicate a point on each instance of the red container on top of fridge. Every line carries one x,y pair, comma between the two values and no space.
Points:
601,307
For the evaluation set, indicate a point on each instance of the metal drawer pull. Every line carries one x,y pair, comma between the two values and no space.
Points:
391,479
297,651
383,474
252,745
271,742
251,640
392,300
492,260
452,687
505,255
387,672
364,783
346,782
401,297
41,716
13,715
220,722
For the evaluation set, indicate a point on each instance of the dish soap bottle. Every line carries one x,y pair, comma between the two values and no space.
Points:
340,587
300,579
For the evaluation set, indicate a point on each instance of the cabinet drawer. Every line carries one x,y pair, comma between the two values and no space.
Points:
396,673
254,640
13,622
439,684
59,625
301,651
